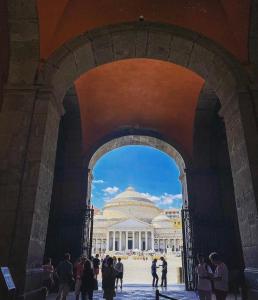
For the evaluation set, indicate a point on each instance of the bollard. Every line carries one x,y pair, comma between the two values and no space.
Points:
179,275
157,294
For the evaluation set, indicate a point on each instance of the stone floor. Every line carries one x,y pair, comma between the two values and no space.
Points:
143,291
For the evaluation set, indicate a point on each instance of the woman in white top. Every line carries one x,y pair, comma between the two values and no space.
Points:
220,278
204,273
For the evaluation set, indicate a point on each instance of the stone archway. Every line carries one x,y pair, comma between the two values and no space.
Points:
146,40
147,140
167,42
143,140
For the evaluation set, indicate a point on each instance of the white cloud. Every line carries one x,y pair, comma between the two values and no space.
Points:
98,181
169,198
151,197
111,190
163,199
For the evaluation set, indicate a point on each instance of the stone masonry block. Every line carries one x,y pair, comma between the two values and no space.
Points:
180,51
200,60
141,43
158,45
124,44
104,55
84,58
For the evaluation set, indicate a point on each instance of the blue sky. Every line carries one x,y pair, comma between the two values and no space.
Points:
148,170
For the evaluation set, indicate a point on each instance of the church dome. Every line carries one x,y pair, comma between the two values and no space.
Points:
131,204
161,221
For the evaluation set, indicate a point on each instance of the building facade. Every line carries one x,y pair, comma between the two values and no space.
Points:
131,222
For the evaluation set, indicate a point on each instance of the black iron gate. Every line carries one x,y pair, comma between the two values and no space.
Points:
188,253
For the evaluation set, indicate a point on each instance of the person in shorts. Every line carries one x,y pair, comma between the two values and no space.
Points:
96,264
119,268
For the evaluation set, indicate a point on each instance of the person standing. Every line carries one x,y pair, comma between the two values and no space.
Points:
79,266
119,268
87,281
65,274
96,264
108,280
205,275
155,278
220,277
48,270
164,272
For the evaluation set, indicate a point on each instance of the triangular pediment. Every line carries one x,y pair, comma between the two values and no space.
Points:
131,223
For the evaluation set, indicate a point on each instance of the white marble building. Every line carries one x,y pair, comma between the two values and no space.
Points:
130,221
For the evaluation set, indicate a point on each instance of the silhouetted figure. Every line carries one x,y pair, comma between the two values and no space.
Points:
79,266
164,272
48,275
155,278
220,277
96,264
108,280
204,272
119,268
88,281
65,275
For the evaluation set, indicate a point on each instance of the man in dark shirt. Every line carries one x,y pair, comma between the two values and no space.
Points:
96,264
164,272
65,274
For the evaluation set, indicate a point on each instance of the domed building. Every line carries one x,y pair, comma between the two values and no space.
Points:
131,221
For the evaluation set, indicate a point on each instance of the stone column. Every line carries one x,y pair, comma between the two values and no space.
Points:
29,123
126,240
133,233
107,242
114,240
140,240
120,240
146,240
152,241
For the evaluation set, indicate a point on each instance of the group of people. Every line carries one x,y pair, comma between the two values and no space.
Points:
209,280
83,276
164,270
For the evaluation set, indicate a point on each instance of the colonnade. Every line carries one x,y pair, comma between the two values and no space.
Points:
130,240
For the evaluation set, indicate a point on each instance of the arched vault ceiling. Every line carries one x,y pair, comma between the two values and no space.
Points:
142,93
224,21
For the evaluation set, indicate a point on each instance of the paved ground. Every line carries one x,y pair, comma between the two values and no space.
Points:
141,292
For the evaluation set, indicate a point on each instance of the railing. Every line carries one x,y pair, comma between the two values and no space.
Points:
159,295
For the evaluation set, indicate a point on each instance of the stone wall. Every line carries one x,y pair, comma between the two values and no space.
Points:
68,201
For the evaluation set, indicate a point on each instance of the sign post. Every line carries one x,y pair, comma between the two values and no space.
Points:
7,286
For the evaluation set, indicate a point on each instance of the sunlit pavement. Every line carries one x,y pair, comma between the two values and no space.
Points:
143,291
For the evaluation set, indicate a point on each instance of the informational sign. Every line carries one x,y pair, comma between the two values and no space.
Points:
8,278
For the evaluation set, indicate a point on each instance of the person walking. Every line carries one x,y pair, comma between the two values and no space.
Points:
119,268
65,274
164,272
155,278
220,277
108,280
96,264
204,273
79,266
87,281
